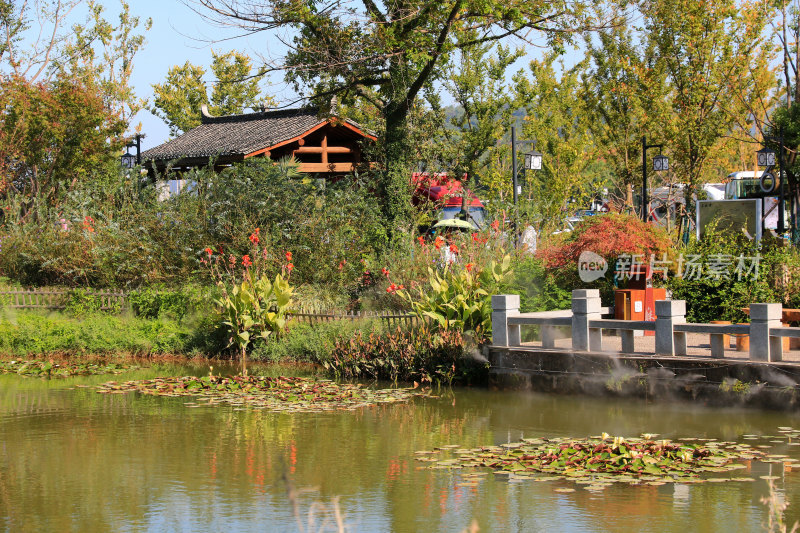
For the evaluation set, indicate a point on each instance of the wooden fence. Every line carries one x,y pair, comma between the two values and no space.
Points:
57,299
390,318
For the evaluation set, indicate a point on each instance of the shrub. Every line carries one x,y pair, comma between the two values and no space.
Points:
309,344
405,355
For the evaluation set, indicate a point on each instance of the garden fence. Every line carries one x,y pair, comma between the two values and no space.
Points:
57,299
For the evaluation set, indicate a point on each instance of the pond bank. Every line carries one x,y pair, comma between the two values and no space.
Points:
712,381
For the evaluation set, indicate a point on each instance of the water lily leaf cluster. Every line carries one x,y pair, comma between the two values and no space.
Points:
293,394
606,459
51,369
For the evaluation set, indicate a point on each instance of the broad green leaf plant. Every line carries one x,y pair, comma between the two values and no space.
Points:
459,298
255,307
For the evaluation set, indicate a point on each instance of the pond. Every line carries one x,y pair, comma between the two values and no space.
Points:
75,460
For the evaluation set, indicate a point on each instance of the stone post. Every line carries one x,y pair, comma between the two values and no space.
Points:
504,306
669,313
585,307
762,346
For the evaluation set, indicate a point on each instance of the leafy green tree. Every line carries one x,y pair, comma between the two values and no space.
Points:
478,86
387,53
178,100
707,50
622,88
552,104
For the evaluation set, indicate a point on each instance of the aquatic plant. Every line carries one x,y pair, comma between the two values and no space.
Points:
605,459
293,394
47,369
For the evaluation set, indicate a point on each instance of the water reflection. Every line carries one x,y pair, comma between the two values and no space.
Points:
71,459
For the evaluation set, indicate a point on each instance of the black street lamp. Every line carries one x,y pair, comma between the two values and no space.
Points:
660,163
766,158
533,160
128,160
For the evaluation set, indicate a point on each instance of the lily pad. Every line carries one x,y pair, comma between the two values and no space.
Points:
285,394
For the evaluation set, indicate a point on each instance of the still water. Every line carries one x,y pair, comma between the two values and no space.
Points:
75,460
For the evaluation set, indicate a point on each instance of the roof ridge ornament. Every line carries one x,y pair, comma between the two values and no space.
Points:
204,111
334,111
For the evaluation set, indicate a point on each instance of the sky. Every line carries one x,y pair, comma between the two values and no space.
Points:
179,35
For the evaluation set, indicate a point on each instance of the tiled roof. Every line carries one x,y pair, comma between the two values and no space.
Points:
238,134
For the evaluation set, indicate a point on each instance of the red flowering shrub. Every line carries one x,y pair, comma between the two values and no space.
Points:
608,236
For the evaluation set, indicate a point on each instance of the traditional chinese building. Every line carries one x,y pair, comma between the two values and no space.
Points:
324,147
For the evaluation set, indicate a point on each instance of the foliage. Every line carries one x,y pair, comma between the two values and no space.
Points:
404,355
609,236
604,459
707,51
722,295
53,136
306,343
620,94
178,100
387,55
539,288
160,301
477,82
250,303
31,333
552,117
288,394
457,298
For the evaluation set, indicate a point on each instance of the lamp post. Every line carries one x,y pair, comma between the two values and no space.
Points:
660,163
533,161
128,160
766,158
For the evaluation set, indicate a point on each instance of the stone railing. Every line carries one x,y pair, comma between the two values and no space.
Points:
587,324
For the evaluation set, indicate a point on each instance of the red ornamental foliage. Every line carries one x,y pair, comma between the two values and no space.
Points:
608,236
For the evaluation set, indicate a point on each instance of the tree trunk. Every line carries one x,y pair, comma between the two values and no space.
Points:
395,181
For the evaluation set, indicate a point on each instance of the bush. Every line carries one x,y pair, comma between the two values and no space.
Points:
722,297
159,301
406,355
309,344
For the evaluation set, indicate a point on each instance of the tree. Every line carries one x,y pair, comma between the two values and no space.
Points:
553,118
478,86
387,53
178,100
65,96
622,88
37,47
53,136
707,50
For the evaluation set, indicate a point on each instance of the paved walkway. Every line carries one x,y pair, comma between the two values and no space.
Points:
697,345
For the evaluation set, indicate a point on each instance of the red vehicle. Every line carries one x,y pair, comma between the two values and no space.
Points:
448,194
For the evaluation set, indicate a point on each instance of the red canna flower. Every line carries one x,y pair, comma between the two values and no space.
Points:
254,237
469,266
475,237
385,272
246,261
289,257
289,267
496,225
421,240
209,251
438,242
454,248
